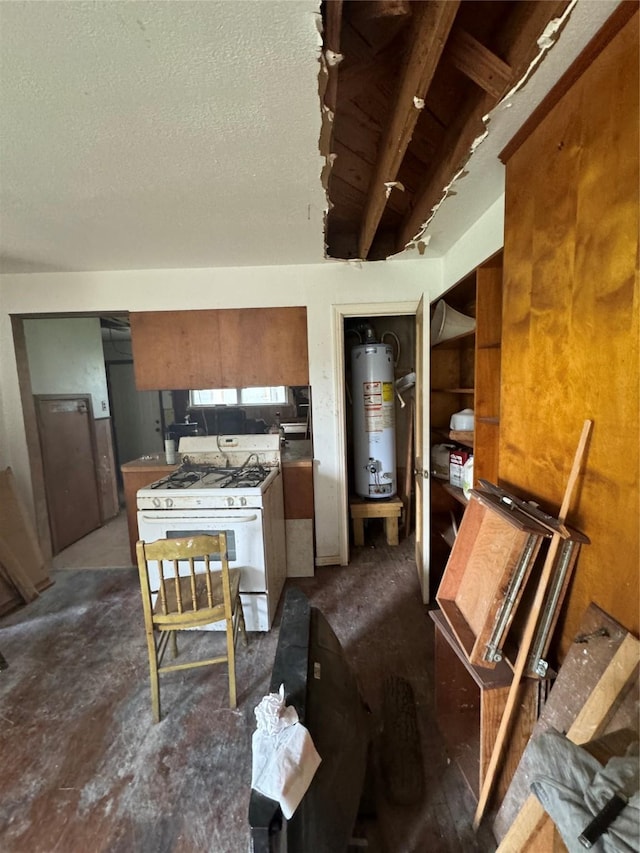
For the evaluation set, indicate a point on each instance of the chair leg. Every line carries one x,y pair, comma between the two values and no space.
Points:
231,662
242,625
154,677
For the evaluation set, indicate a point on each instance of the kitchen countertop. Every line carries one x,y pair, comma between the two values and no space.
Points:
297,452
152,461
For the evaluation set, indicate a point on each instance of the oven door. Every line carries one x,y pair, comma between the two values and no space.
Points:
245,541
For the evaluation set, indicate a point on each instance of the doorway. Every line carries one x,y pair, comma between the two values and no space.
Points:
398,332
65,355
384,316
136,416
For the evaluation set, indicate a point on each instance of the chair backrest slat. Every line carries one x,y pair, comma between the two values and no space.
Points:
176,584
162,588
192,584
208,579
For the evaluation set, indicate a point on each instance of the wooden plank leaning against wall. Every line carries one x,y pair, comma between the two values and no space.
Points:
570,321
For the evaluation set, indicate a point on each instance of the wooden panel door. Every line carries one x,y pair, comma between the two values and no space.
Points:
136,414
422,454
68,457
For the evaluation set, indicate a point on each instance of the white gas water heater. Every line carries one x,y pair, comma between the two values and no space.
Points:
374,427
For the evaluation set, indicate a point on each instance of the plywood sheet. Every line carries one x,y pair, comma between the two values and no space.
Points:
570,321
20,551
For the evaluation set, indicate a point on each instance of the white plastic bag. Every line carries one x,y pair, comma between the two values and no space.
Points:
284,759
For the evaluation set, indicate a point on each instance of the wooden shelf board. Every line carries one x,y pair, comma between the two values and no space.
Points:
450,342
462,436
455,492
465,391
486,679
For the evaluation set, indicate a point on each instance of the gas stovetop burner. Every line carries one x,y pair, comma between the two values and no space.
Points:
238,477
213,476
180,479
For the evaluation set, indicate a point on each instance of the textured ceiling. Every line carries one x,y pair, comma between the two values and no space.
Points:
180,134
159,134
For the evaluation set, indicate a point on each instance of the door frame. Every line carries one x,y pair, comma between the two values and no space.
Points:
340,314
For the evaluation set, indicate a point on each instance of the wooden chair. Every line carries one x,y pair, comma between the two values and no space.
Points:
182,589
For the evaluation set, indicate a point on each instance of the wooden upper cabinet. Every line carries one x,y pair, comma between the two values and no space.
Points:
176,349
264,346
223,348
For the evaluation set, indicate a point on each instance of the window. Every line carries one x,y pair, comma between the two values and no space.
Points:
268,396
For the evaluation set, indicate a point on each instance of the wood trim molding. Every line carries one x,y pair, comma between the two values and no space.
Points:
619,18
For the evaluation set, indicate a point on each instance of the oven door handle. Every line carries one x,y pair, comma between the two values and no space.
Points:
174,516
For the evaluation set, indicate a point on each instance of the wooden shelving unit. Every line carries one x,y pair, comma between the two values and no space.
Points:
465,373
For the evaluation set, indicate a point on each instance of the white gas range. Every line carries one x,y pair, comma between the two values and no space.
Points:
230,484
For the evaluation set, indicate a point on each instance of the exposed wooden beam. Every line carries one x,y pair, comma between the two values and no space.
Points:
478,62
455,149
429,36
365,9
520,36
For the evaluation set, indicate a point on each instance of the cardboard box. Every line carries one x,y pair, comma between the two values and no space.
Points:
457,458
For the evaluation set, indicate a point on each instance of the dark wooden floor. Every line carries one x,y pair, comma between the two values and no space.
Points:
85,770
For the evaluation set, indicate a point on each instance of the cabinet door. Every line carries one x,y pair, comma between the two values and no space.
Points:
227,348
264,346
298,491
176,349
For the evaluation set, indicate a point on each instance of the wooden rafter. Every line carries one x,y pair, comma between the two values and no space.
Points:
521,37
428,40
457,144
381,8
478,62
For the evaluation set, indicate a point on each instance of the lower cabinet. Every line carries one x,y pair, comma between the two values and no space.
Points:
135,475
297,474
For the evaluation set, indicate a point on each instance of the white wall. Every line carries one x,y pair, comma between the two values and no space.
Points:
319,287
65,357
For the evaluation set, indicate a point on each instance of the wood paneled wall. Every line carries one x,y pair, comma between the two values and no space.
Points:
570,323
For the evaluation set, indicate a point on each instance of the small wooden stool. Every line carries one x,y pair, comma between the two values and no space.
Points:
388,509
